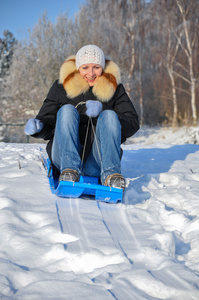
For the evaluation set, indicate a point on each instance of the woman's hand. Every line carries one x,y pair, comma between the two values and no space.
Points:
93,108
33,126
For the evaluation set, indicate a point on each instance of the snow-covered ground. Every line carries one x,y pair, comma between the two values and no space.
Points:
144,248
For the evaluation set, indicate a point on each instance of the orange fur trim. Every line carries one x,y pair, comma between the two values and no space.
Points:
75,84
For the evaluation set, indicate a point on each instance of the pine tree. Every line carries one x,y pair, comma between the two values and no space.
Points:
7,45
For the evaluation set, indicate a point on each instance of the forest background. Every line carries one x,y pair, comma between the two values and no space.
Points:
155,43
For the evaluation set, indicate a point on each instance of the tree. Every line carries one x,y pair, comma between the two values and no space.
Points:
188,48
7,48
177,50
171,53
7,45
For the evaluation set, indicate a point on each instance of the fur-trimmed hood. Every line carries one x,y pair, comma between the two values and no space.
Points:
74,84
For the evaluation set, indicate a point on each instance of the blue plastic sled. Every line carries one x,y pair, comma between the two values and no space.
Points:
86,186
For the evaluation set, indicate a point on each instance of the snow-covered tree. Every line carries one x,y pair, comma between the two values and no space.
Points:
7,44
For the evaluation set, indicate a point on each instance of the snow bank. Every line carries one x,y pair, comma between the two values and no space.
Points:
169,135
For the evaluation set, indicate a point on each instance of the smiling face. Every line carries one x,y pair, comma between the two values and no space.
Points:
90,72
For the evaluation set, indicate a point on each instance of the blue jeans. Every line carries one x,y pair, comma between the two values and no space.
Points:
104,157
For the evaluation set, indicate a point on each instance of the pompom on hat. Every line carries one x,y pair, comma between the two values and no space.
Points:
90,54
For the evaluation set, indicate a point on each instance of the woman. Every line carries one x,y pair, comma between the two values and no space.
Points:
86,116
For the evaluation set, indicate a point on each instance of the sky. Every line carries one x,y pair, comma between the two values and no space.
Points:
18,16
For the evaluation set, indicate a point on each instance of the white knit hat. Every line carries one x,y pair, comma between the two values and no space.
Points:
90,54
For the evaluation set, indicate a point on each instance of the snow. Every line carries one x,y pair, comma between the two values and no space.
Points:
144,248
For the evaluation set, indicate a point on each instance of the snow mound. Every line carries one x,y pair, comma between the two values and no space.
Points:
177,136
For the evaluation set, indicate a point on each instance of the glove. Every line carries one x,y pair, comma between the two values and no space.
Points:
33,126
93,108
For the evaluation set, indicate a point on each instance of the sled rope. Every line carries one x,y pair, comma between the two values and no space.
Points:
95,140
85,142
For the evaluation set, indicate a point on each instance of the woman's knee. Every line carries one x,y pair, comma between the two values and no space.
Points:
67,113
109,118
67,108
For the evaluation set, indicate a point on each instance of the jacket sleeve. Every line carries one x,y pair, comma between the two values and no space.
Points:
48,113
126,112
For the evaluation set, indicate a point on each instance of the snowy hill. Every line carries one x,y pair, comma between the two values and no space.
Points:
145,248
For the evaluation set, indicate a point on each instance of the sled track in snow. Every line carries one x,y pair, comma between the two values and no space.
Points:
112,222
116,222
108,242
